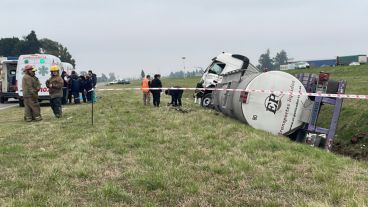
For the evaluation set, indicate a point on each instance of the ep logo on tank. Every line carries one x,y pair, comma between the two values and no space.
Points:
273,103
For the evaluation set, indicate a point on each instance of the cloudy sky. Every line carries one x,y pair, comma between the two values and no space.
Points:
127,36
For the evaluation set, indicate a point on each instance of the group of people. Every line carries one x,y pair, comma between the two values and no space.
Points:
154,86
77,87
56,85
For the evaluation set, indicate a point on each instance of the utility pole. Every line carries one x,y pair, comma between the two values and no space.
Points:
184,64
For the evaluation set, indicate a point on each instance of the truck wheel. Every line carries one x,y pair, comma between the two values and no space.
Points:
206,100
21,103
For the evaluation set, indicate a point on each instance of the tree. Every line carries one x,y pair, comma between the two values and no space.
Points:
143,74
7,46
104,77
112,77
65,56
31,45
54,48
265,61
49,47
280,59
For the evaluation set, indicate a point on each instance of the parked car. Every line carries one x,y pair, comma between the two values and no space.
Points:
123,82
354,63
113,82
301,65
119,82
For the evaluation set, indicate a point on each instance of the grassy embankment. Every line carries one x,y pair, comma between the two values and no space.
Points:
145,156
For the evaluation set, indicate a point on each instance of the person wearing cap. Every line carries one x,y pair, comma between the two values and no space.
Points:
55,85
31,85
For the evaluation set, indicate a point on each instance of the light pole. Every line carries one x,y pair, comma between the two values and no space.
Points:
183,58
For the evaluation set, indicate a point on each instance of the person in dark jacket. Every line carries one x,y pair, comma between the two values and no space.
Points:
88,87
69,90
176,93
82,88
156,93
93,78
75,87
64,76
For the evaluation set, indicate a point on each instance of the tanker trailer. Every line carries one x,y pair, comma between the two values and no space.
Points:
277,102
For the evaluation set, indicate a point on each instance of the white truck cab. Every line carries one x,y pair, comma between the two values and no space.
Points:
43,63
222,64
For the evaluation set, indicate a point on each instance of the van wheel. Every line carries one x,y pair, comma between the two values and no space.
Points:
207,100
21,103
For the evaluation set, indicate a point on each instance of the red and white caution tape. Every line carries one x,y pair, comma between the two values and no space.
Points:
346,96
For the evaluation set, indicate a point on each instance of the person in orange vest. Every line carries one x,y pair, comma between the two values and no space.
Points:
146,83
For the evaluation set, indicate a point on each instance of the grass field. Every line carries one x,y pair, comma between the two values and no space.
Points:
143,156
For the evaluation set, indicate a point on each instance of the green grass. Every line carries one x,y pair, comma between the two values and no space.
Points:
144,156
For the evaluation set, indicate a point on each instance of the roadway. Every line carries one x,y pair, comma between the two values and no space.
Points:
10,103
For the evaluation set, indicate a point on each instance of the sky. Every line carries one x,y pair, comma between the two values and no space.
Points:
125,37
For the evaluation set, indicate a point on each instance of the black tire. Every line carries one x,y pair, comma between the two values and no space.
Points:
207,100
21,103
332,87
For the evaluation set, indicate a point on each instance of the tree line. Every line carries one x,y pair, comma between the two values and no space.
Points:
30,44
266,63
180,74
104,78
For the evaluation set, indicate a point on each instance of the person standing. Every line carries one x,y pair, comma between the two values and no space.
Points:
94,83
88,87
55,85
176,93
93,78
146,82
156,86
82,86
75,87
31,85
65,78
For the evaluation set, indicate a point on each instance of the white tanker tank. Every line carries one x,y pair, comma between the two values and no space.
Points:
275,113
245,94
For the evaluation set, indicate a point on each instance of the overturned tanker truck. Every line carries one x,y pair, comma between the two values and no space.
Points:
273,101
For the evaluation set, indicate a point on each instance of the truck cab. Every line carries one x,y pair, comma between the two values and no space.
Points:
8,83
222,64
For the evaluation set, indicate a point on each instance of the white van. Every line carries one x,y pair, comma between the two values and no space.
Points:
67,67
43,63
